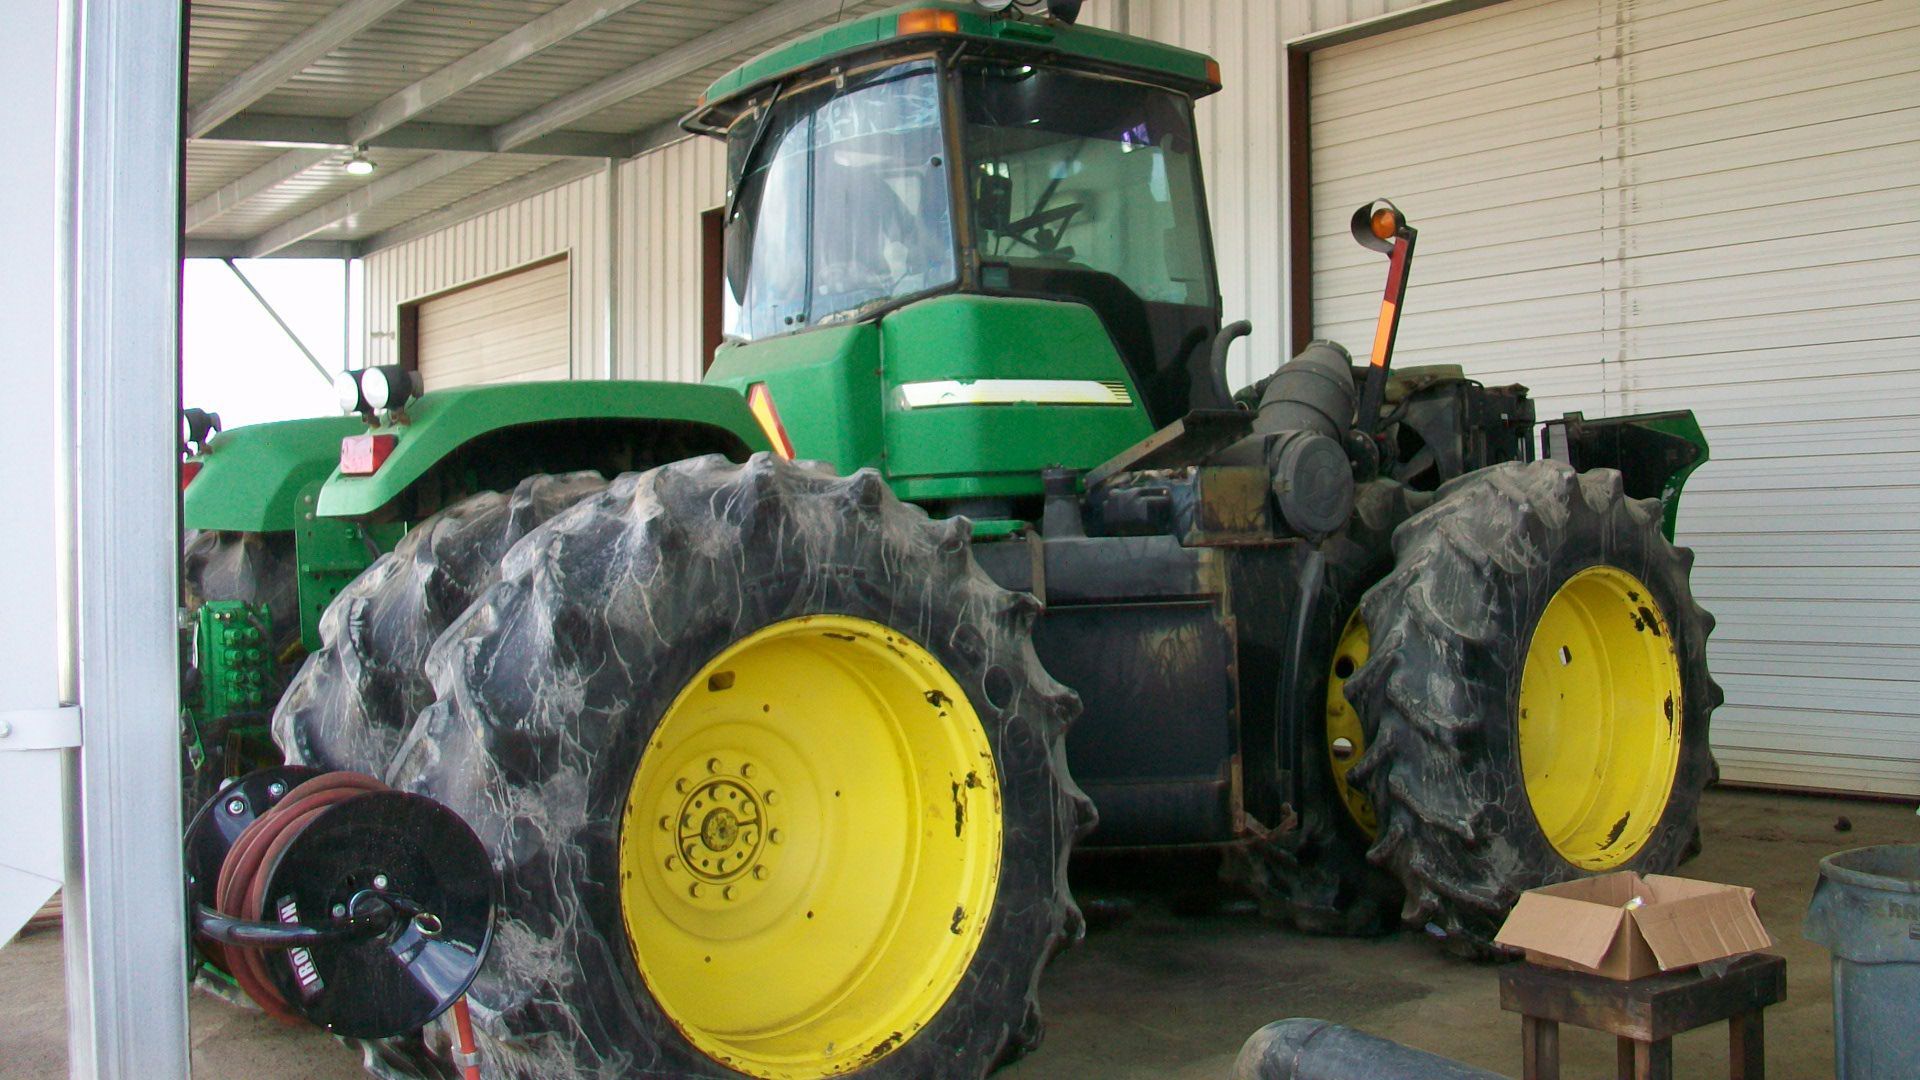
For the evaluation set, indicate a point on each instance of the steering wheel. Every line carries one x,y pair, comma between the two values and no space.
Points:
1043,241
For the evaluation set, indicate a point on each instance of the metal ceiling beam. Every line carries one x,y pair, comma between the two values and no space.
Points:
405,104
359,201
203,248
488,60
522,187
287,61
267,129
775,22
271,175
780,20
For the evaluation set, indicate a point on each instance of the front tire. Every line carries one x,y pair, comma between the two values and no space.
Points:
1536,702
700,658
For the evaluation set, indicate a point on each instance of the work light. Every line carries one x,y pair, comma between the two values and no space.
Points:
347,390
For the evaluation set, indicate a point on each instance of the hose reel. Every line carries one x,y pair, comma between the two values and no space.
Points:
335,900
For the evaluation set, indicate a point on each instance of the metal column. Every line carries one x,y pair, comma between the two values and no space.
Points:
119,275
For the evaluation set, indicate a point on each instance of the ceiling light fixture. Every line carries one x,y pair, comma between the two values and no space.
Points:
359,164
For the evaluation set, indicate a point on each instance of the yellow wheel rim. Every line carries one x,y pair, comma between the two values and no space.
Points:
1600,714
1346,741
810,848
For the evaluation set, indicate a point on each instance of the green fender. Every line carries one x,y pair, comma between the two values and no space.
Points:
250,477
443,422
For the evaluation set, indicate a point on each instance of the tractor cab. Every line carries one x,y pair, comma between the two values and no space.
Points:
948,150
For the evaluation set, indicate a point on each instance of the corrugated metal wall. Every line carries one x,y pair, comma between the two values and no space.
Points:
662,195
569,220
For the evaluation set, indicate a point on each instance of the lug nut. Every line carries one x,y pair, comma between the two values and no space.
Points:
379,881
713,764
727,893
693,890
759,873
666,823
680,785
771,797
773,836
673,863
746,770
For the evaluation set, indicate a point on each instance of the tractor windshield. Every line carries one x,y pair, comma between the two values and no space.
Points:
1071,171
842,202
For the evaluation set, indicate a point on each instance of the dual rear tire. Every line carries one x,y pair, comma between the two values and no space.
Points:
773,781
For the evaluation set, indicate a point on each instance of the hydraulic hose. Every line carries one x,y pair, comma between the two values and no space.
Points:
241,890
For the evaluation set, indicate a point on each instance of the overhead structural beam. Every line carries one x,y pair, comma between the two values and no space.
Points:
287,61
359,201
775,22
313,132
405,104
261,299
268,176
194,247
523,187
778,21
488,60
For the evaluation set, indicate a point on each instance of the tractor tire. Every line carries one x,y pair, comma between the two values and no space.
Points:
255,568
760,637
1523,598
353,701
1315,876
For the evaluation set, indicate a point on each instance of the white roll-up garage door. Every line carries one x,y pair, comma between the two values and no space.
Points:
511,328
1635,205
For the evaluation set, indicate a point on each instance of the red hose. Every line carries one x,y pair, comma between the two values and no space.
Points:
467,1055
241,889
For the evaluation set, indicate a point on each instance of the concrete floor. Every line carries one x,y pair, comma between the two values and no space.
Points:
1159,991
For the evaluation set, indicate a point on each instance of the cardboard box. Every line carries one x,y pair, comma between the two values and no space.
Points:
1593,924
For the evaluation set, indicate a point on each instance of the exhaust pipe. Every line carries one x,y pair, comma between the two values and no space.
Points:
1304,1049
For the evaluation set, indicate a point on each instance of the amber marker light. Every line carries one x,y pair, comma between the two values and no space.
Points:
760,404
1213,71
929,21
1385,223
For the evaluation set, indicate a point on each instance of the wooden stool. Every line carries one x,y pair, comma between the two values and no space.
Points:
1645,1014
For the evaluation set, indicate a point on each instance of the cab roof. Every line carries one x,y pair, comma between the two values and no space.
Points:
1041,39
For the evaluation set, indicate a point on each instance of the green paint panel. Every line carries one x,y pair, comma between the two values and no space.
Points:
1683,424
825,383
443,421
1085,43
329,552
250,477
969,450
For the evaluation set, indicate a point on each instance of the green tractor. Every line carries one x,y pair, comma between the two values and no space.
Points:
779,702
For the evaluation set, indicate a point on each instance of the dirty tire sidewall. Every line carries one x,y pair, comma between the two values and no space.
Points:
356,696
1439,696
552,685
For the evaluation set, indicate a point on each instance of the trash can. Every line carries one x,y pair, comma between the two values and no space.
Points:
1866,911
